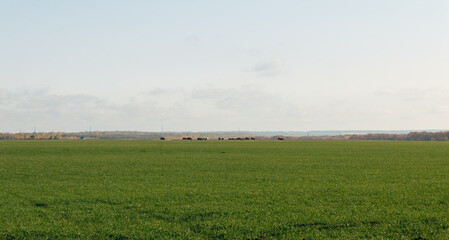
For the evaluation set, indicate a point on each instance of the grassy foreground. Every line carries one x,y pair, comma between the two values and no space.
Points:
223,189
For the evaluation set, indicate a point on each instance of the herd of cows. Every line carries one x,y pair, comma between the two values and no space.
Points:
220,138
240,138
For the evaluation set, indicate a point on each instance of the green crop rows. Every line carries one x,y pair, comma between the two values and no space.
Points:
223,189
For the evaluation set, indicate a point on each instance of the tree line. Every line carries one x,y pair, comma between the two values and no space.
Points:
412,136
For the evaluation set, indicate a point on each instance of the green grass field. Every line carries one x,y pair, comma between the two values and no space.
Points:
223,189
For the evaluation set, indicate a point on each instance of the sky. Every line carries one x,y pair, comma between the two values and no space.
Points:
290,65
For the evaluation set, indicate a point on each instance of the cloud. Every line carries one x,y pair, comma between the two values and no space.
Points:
247,107
4,95
444,109
249,102
269,68
176,109
192,39
161,91
415,94
53,111
386,91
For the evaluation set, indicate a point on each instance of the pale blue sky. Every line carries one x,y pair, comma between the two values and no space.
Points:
224,65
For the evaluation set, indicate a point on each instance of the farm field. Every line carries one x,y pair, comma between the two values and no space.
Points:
223,190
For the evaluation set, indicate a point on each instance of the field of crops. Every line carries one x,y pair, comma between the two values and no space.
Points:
223,189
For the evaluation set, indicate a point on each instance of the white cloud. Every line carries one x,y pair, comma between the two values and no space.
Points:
415,94
4,95
386,91
192,39
178,109
269,68
207,109
54,112
162,91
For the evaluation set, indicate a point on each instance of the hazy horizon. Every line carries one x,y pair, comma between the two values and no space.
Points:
260,133
223,66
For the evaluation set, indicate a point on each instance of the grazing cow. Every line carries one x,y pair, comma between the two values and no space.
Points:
253,138
162,139
280,138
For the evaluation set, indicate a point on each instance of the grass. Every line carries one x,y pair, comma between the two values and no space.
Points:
223,190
